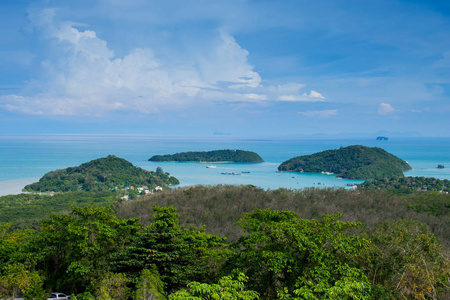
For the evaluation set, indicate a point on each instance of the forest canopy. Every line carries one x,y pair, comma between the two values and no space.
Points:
100,175
352,162
94,254
237,156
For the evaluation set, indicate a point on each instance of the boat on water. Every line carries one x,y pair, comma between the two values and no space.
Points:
211,167
327,173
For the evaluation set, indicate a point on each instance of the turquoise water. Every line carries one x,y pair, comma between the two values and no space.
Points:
30,157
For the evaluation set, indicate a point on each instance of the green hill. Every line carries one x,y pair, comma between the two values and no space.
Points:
99,175
238,156
352,162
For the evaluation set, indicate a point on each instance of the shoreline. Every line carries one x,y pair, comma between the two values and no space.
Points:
15,186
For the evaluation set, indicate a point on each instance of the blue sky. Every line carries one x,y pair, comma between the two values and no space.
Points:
241,68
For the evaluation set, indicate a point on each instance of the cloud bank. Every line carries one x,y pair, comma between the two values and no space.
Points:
83,76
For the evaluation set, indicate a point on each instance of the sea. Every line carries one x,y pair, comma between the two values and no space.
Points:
26,158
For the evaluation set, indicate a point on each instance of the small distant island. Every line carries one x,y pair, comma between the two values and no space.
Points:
382,138
235,156
352,162
440,166
100,175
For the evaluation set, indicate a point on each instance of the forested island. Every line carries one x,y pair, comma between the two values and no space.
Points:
99,175
231,242
236,156
352,162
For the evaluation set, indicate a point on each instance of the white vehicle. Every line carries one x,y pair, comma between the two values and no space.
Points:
58,296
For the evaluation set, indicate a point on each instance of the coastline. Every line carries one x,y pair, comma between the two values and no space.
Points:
15,186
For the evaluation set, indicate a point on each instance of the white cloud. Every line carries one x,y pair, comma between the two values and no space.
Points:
313,96
319,113
291,92
83,75
385,109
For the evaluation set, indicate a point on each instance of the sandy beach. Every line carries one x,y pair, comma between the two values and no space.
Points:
15,186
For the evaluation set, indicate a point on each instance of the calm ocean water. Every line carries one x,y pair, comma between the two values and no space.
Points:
24,159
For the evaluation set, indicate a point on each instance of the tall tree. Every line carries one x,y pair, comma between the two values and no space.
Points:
73,249
284,255
180,255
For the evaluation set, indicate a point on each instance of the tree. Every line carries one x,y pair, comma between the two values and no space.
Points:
405,260
113,287
16,278
180,255
284,255
73,249
150,286
227,288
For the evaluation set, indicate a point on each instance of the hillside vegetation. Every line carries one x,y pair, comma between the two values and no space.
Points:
281,244
100,175
229,242
25,210
407,184
237,156
352,162
220,207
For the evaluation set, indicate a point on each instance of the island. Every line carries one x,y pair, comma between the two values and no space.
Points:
440,166
108,173
352,162
382,138
235,156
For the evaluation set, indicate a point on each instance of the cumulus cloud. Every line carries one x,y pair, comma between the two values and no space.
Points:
228,63
385,109
84,76
319,113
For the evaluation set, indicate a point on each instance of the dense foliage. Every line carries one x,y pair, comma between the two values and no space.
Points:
25,210
220,207
238,156
408,184
100,175
93,254
352,162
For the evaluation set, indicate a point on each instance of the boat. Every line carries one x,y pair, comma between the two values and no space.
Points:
211,167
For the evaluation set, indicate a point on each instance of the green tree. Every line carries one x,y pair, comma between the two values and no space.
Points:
73,250
17,278
286,255
181,255
150,286
227,288
113,287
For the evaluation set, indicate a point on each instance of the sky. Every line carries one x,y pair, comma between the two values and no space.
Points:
233,67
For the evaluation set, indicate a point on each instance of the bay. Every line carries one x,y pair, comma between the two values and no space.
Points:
23,158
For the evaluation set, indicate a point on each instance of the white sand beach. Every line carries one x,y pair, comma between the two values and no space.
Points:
15,186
